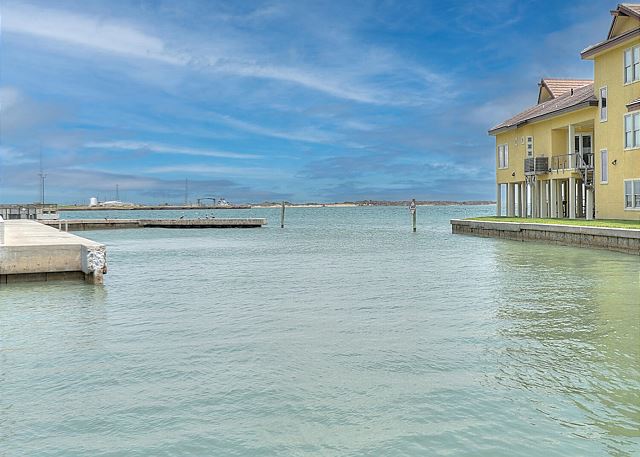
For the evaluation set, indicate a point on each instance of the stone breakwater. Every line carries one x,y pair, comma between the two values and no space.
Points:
613,239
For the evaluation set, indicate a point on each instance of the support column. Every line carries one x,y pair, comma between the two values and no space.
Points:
589,204
535,198
523,199
499,200
553,201
544,208
572,198
580,198
511,199
572,132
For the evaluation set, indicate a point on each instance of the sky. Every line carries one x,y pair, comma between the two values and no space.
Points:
305,101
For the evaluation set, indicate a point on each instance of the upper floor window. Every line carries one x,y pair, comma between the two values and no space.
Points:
632,130
529,146
632,193
503,156
632,64
603,104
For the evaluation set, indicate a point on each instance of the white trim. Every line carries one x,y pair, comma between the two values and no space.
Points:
634,192
604,165
600,104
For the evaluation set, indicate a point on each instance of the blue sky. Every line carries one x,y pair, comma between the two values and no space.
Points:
270,100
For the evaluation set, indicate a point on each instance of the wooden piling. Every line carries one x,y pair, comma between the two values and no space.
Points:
282,216
413,210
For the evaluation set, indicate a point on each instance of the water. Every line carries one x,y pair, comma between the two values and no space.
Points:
342,335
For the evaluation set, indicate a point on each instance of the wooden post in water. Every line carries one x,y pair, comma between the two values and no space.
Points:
412,210
282,216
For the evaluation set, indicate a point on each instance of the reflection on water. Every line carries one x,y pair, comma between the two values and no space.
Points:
571,329
343,334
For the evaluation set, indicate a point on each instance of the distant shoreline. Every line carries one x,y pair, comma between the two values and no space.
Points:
367,203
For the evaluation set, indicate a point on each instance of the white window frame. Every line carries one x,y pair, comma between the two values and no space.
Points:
604,166
635,130
529,146
503,156
631,65
603,108
635,194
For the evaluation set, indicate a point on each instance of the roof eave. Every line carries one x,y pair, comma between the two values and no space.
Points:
596,49
568,109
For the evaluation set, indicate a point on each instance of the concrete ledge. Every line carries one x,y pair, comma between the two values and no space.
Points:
104,224
32,250
613,239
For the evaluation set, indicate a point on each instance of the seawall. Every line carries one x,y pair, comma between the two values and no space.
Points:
612,239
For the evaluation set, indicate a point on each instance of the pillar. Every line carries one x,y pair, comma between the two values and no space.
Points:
499,200
544,205
572,132
580,198
511,199
535,198
523,199
572,198
553,202
589,214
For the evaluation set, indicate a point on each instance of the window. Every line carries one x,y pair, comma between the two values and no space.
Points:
632,194
632,130
632,64
503,156
529,146
603,104
604,166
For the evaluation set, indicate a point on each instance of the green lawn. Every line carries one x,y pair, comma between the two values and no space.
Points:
613,223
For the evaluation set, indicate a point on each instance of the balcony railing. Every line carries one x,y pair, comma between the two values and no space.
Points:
572,161
536,165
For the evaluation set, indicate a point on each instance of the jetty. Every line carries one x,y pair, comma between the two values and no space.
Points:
72,225
32,251
127,207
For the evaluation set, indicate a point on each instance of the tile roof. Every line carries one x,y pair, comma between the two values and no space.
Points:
632,6
558,86
566,102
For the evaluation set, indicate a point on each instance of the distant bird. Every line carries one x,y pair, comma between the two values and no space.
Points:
181,217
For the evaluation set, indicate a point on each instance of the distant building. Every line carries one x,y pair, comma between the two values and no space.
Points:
29,211
576,153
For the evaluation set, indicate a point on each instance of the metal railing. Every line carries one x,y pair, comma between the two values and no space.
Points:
572,161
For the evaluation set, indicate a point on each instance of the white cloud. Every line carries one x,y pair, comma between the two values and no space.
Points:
85,31
168,149
204,169
343,78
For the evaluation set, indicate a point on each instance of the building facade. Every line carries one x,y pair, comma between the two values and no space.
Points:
576,153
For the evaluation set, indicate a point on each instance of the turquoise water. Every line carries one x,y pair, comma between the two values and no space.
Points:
342,335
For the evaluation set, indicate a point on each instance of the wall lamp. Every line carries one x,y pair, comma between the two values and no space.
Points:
513,174
615,161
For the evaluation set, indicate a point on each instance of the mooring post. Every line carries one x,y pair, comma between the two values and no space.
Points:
66,226
412,210
282,216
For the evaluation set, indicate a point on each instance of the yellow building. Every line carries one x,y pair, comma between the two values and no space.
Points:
576,153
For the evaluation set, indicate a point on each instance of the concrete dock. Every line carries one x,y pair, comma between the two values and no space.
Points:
31,251
103,224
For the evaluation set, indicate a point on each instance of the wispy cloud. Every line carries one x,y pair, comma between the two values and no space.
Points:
205,169
168,149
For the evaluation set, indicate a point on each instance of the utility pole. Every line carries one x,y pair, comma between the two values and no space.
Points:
42,176
117,193
186,191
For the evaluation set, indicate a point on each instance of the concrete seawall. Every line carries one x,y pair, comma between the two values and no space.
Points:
105,224
613,239
34,252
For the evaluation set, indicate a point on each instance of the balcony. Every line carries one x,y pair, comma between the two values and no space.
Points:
572,161
536,166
